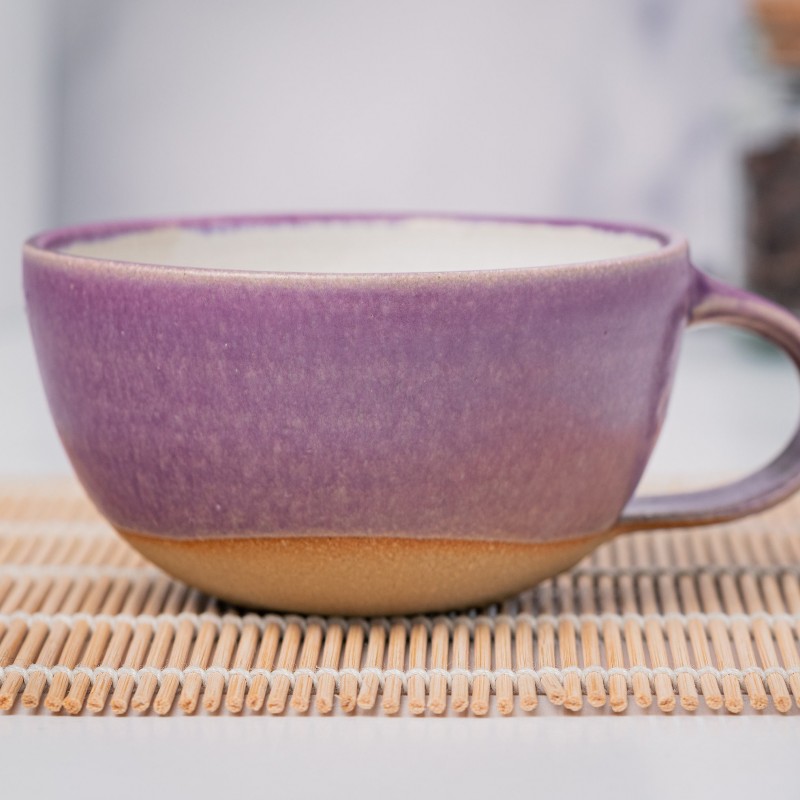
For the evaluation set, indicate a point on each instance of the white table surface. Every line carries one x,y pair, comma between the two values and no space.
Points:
734,404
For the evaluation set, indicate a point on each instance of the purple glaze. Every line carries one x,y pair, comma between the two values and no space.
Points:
513,405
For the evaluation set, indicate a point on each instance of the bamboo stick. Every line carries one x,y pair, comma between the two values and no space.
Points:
138,647
612,636
117,646
788,549
395,660
265,658
417,659
459,693
38,632
279,690
690,602
523,644
105,597
179,655
85,598
754,606
732,604
14,591
552,686
642,694
568,645
482,659
159,650
376,647
762,556
687,691
245,652
590,641
718,632
349,693
440,645
309,656
27,596
331,652
30,549
504,686
654,636
53,645
221,659
198,660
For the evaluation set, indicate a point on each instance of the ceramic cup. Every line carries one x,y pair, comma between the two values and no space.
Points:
368,414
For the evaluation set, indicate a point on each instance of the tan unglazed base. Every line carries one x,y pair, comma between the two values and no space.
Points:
360,575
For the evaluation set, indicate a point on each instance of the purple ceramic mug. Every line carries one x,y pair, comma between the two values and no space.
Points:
376,413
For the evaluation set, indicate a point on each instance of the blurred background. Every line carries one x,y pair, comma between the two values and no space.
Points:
654,111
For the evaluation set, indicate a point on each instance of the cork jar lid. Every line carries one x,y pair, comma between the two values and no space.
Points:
780,22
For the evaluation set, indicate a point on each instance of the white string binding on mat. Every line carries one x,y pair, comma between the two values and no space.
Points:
83,529
303,623
403,675
79,571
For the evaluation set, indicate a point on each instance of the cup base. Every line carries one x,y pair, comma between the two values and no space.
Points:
362,576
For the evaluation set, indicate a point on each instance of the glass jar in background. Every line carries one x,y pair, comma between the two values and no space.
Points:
771,159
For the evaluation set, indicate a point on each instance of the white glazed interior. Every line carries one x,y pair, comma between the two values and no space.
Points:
411,245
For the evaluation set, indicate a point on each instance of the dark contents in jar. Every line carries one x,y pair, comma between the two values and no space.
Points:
773,220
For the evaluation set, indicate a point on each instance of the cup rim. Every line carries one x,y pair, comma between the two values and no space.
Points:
44,246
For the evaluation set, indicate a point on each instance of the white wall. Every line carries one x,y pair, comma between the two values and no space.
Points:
28,134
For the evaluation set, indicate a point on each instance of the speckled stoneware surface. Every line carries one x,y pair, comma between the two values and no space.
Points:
513,405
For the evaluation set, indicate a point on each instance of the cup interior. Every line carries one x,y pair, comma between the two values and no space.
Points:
358,245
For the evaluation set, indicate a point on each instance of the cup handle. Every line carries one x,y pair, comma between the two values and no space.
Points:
713,301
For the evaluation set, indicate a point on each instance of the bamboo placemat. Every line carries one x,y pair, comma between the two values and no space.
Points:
709,615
